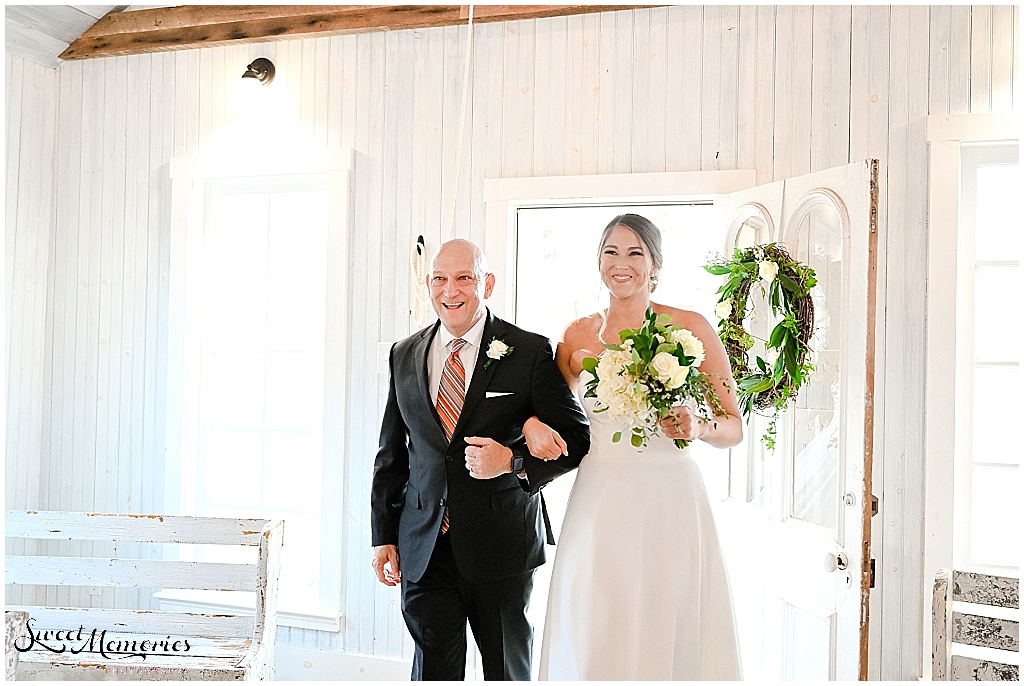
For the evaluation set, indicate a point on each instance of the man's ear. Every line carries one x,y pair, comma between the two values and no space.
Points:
488,286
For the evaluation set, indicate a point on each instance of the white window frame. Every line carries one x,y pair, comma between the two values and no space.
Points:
188,178
945,135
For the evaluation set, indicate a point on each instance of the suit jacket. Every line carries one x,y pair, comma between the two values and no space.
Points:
496,525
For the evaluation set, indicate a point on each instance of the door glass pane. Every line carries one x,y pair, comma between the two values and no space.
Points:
814,422
747,460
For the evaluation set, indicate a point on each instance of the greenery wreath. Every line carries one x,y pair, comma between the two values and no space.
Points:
769,385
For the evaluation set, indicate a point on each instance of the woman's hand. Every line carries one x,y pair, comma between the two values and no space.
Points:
543,441
681,424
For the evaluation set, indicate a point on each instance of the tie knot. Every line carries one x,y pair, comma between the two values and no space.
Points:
457,344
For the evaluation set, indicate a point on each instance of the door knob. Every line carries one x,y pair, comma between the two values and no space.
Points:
836,561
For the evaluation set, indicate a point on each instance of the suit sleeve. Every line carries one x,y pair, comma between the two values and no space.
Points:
390,470
555,405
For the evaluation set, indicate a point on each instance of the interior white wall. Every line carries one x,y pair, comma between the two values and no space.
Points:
783,90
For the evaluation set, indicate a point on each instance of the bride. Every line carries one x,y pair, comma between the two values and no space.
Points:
639,588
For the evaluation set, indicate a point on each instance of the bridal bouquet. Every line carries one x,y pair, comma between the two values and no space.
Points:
653,369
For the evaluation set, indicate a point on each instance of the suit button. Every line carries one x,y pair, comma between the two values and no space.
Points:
442,502
449,458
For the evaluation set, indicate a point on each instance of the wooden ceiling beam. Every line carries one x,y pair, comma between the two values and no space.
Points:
197,26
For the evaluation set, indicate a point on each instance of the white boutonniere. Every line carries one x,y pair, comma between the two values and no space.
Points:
497,350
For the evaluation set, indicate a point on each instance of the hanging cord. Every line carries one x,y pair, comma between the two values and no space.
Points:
419,278
462,123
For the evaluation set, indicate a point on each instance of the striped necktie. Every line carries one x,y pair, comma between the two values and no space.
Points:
451,395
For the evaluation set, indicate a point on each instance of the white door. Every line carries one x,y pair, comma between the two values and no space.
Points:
795,526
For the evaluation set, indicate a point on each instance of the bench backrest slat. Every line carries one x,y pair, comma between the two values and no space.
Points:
986,632
86,526
985,589
971,669
141,621
84,571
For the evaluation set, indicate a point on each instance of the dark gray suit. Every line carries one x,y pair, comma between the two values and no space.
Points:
483,567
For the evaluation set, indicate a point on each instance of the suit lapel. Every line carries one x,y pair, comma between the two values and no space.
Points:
421,353
481,377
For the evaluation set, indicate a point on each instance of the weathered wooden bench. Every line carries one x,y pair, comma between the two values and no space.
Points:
76,643
994,633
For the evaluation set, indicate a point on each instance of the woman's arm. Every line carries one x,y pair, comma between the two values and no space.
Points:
721,432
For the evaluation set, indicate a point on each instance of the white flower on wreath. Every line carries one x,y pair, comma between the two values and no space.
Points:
723,309
771,355
692,345
767,270
666,368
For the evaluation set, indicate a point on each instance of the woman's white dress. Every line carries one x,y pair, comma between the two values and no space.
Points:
639,588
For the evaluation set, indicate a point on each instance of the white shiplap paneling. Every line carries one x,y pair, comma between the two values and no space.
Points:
783,89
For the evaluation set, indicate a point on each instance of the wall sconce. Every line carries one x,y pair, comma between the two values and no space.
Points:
262,70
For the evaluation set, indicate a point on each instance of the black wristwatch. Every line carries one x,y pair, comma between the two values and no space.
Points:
518,462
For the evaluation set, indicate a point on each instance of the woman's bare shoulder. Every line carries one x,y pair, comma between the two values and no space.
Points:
680,317
580,339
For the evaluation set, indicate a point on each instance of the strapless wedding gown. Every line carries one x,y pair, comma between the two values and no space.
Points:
639,588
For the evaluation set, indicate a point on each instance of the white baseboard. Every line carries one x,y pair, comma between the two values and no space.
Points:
306,664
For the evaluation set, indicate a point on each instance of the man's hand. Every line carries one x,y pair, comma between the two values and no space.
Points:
486,458
543,441
385,564
681,424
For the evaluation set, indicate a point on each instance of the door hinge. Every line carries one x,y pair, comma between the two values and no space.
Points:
874,505
871,577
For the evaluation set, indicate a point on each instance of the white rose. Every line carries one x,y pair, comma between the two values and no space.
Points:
496,350
664,366
767,270
692,345
723,309
770,356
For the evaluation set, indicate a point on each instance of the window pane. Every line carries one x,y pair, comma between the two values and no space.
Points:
292,468
233,463
298,232
234,390
238,311
997,221
997,411
995,516
240,236
295,391
296,311
997,327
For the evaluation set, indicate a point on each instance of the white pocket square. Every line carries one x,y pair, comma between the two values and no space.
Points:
495,394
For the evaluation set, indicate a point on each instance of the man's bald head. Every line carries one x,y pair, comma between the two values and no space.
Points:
461,248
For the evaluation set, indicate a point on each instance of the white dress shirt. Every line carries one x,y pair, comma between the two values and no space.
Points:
441,348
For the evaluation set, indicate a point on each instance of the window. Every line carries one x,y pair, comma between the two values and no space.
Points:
260,251
988,404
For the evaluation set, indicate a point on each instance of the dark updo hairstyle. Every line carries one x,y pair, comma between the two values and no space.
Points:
648,233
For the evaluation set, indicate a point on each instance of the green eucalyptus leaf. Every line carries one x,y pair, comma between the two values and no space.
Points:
636,440
616,436
590,364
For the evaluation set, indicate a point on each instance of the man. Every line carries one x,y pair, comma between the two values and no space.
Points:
456,511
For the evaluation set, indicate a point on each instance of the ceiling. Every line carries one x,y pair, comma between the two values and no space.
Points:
42,32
